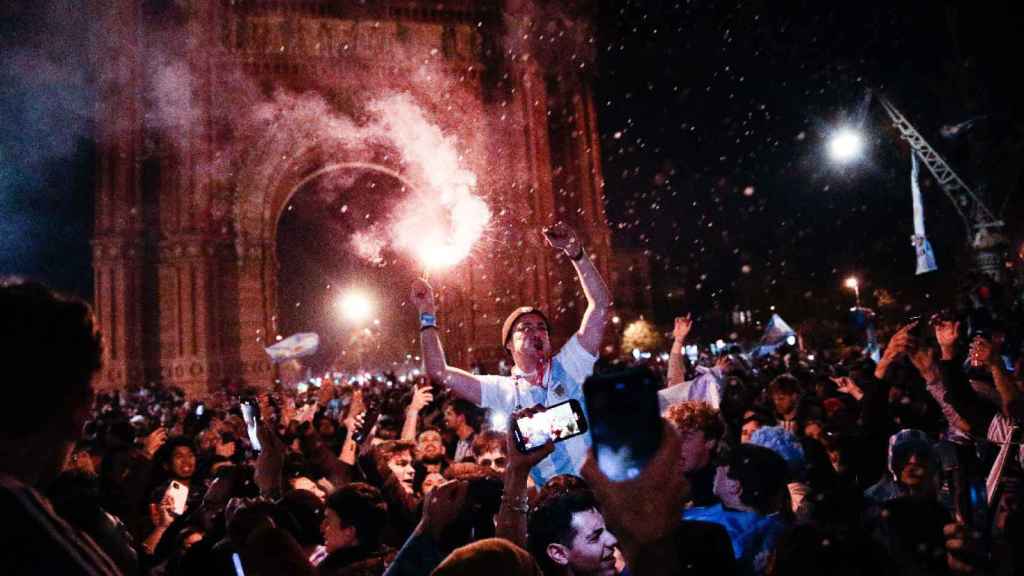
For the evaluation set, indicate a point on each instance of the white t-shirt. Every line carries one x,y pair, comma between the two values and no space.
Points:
562,381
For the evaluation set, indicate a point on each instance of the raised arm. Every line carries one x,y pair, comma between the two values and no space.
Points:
462,383
510,523
985,353
676,372
599,298
420,398
959,393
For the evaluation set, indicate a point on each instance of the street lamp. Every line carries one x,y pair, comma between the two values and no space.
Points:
355,306
846,145
854,285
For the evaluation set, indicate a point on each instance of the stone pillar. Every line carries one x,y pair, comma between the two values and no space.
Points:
117,265
187,276
257,294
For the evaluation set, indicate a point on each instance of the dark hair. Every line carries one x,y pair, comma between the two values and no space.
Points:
762,475
361,505
390,448
558,485
550,522
44,329
465,408
785,384
306,512
166,452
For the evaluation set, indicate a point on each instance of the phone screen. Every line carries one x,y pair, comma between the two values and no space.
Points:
557,423
625,423
250,413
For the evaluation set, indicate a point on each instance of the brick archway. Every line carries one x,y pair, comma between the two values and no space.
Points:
184,260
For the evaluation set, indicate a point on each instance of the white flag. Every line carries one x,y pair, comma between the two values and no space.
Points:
294,346
923,249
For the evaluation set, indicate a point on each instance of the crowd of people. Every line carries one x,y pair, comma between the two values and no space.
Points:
797,462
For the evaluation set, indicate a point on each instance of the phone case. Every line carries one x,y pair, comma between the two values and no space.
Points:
178,493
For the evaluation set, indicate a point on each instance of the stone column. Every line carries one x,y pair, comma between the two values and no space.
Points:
257,293
187,277
117,265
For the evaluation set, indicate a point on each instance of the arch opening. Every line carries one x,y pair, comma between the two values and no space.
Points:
326,260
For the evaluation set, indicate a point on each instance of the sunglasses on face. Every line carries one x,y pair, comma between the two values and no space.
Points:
499,462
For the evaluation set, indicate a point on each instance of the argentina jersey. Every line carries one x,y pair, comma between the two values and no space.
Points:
564,381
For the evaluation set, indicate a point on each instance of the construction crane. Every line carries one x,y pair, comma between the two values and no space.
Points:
983,228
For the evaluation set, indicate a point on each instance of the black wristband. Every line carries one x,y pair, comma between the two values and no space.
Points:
578,256
427,327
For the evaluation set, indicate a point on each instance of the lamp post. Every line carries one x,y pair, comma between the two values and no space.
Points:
853,284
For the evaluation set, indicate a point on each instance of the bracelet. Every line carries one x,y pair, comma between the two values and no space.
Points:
427,327
518,504
427,321
578,256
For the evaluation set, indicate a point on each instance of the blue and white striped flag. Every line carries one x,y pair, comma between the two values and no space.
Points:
923,249
295,346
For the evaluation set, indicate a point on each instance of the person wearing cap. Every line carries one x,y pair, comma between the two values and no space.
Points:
538,377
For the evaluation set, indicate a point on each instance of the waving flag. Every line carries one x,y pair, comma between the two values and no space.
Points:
777,331
294,346
775,335
950,131
923,249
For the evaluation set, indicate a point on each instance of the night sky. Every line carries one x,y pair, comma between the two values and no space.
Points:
713,117
701,101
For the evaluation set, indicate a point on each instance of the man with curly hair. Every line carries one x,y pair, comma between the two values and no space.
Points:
700,429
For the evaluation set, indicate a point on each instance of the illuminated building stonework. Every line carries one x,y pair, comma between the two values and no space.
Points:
189,195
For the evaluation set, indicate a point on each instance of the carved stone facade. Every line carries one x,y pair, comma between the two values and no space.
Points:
185,255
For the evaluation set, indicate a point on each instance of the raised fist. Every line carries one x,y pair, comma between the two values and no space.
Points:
562,237
422,296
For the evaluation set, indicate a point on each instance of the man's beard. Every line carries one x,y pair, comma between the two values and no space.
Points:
438,459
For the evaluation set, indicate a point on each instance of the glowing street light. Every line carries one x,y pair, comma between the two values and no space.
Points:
846,145
355,306
853,284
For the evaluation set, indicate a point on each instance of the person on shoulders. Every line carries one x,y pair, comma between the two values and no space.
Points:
538,377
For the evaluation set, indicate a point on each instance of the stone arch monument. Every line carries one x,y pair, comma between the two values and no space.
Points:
187,210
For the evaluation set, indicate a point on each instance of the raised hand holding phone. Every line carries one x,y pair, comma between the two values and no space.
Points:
534,428
251,415
177,495
421,397
625,422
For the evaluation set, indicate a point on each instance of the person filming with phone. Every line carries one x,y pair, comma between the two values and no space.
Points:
538,377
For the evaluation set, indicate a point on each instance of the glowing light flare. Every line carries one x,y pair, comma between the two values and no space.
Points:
355,306
846,145
852,283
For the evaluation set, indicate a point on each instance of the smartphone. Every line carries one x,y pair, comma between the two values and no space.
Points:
369,421
625,423
556,423
178,494
251,415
